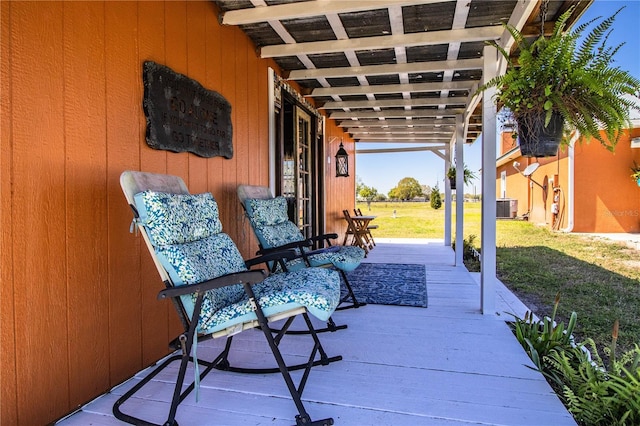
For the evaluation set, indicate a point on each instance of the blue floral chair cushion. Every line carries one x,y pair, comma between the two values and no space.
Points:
347,258
190,245
272,227
267,212
269,219
319,294
178,218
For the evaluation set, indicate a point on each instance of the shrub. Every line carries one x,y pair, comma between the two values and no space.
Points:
593,394
470,254
436,200
538,338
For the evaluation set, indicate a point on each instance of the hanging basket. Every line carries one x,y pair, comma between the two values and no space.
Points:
452,183
535,140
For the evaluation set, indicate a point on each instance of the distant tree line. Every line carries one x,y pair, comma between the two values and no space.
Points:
407,189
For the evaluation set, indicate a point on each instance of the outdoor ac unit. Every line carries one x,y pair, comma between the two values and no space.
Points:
506,208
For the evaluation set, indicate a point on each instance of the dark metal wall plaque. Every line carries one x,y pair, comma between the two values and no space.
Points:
184,116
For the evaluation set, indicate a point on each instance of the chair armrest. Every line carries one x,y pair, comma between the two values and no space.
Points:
330,249
251,277
324,237
294,245
272,256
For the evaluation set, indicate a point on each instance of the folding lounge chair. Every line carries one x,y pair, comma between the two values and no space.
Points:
271,225
215,293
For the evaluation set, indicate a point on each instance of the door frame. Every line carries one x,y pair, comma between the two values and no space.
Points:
280,93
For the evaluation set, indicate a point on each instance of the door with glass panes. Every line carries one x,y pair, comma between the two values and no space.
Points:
304,212
296,166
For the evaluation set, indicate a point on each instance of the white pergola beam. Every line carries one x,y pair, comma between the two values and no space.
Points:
308,9
442,123
435,149
459,155
488,208
447,196
419,113
396,131
402,138
402,141
426,38
387,103
386,69
518,19
391,88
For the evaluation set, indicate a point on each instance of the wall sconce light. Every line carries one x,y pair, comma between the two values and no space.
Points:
342,162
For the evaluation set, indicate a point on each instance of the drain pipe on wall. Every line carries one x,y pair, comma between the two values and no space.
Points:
571,183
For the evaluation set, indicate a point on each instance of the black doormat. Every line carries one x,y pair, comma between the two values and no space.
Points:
390,284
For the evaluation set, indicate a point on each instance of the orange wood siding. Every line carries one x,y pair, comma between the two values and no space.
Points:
124,117
84,172
8,388
340,191
38,198
79,308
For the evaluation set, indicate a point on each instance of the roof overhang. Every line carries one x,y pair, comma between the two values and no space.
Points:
392,64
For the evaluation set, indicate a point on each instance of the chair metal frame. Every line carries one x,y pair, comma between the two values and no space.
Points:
134,182
307,247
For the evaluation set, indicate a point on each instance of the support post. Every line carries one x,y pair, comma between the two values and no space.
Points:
272,130
488,216
447,196
459,190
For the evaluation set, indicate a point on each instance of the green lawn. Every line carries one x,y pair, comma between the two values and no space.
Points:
600,280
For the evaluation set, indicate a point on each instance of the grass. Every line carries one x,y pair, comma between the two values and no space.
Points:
598,279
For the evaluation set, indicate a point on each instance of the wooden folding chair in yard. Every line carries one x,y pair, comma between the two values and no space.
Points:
369,226
358,233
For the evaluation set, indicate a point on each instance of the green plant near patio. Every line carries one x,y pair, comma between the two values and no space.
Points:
539,338
571,74
594,394
435,198
469,253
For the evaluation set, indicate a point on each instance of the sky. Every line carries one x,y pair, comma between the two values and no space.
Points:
384,171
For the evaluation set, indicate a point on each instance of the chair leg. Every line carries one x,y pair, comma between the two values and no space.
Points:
331,327
303,418
221,362
224,364
178,396
350,294
186,342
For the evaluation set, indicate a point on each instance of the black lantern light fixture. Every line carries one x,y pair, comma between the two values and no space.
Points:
342,162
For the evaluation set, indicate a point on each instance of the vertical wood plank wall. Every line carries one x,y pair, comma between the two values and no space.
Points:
78,296
340,192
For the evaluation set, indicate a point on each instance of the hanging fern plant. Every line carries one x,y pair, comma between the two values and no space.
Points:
566,83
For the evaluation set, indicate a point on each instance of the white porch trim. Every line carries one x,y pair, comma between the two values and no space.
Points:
488,224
